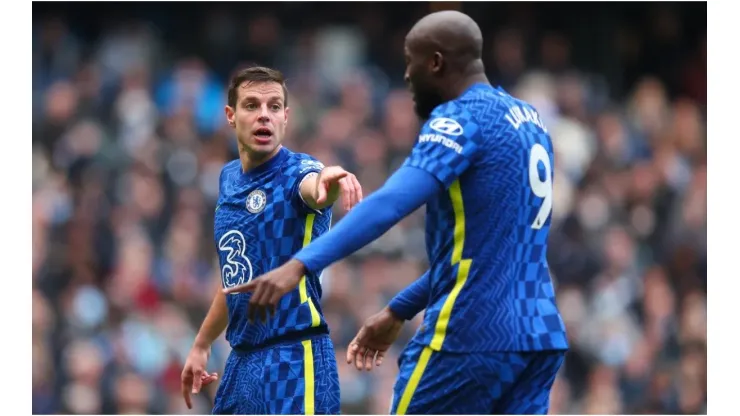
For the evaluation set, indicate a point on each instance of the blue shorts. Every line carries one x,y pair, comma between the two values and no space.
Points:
292,378
432,382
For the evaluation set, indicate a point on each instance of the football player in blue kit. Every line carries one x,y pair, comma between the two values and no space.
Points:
492,340
272,202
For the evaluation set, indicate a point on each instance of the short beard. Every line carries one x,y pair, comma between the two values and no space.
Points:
425,104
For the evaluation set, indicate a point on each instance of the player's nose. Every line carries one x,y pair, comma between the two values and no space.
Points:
264,111
264,116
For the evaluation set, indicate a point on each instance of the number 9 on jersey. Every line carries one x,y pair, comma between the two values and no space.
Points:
541,188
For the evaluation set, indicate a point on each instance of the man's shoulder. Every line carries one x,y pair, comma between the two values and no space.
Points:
456,120
230,167
467,108
298,164
483,103
298,157
232,164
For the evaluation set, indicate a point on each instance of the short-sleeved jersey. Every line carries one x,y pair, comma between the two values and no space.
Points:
487,233
261,221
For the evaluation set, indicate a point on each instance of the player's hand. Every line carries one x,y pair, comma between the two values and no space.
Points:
194,375
268,289
335,179
374,339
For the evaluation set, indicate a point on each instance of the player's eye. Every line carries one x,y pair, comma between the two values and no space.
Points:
276,107
250,106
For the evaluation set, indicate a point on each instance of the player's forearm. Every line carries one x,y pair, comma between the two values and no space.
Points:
215,323
405,191
413,299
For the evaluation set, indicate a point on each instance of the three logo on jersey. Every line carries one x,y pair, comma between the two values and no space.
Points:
237,268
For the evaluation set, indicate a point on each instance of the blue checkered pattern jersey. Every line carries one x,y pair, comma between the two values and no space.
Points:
487,235
261,221
492,339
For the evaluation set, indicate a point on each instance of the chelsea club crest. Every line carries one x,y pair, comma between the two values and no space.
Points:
256,201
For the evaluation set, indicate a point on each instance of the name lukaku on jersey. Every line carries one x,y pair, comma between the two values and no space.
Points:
436,138
518,115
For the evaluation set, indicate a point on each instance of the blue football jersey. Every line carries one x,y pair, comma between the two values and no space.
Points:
487,233
260,222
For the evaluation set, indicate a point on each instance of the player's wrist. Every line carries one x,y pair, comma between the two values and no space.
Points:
394,314
297,267
202,345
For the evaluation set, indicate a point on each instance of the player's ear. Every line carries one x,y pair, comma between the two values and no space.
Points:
230,116
287,113
437,61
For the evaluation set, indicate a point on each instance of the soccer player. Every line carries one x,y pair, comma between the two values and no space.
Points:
492,339
272,202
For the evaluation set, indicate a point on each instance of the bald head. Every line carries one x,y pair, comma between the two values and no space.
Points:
443,58
453,34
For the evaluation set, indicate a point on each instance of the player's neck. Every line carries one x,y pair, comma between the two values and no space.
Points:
465,82
249,162
473,73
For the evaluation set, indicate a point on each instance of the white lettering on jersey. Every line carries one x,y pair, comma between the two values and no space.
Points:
436,138
237,268
518,115
310,164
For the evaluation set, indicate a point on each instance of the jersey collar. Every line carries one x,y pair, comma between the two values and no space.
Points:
274,162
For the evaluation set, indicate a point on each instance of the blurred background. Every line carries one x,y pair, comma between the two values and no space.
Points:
129,137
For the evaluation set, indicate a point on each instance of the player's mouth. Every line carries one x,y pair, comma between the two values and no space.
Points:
262,135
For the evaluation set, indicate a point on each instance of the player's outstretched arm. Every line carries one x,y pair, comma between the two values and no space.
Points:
194,375
380,331
405,191
320,190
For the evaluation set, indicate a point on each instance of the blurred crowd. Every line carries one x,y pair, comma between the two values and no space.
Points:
129,137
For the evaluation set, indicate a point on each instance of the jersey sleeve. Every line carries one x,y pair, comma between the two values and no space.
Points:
413,299
304,167
447,144
404,192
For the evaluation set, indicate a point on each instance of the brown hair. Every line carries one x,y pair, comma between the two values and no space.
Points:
255,74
